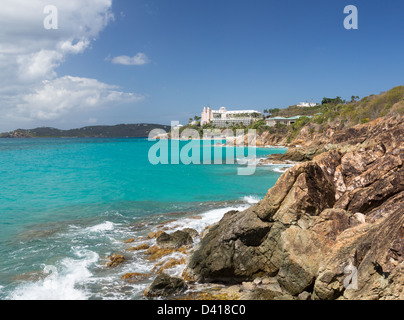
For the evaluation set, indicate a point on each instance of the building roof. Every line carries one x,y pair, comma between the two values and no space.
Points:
236,111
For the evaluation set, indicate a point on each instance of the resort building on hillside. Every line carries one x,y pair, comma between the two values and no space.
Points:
223,118
307,104
271,122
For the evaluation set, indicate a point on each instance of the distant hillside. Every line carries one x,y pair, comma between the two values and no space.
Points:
118,131
354,111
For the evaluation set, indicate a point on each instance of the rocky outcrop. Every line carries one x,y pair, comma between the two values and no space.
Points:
331,228
174,240
115,260
164,285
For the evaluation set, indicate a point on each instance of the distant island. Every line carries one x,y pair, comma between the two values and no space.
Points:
118,131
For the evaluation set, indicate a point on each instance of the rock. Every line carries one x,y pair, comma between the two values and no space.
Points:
156,252
261,294
170,264
361,218
304,296
164,286
302,253
140,247
192,232
115,260
248,286
220,255
175,240
376,251
342,208
129,240
153,235
135,277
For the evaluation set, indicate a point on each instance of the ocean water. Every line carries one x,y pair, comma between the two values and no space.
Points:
67,204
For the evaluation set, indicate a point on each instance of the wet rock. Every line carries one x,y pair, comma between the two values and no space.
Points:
169,264
174,240
153,235
164,286
192,232
135,277
131,240
156,252
140,247
115,260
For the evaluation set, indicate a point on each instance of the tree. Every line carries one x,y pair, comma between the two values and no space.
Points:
336,100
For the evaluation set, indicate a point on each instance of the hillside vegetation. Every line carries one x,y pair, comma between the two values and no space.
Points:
118,131
345,114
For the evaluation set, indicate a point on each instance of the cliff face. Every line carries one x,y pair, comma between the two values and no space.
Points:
336,217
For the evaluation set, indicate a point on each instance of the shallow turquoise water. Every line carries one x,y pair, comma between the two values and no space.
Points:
66,203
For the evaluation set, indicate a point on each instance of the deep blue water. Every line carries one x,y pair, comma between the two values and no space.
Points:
65,204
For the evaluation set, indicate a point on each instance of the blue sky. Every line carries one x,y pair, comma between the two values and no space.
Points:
233,53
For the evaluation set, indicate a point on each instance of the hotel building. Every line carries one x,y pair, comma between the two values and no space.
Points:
223,118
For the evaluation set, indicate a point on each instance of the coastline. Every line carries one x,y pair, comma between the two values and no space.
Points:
172,261
338,212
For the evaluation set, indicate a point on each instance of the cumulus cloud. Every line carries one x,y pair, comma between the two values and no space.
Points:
138,60
64,95
30,88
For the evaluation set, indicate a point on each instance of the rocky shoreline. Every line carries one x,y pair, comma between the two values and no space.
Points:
331,228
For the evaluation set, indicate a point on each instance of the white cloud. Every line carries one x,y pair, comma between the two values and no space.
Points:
138,60
68,94
30,88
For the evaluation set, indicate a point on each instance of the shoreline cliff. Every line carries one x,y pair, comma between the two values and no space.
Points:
331,228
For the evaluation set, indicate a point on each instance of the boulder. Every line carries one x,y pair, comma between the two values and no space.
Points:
174,240
115,260
192,232
164,286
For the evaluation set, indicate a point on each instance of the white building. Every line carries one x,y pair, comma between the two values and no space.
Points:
222,118
307,104
272,122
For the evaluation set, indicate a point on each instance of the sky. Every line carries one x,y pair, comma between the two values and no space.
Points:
156,61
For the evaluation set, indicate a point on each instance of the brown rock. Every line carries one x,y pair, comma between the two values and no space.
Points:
170,264
342,208
140,247
131,240
156,252
153,235
135,277
115,260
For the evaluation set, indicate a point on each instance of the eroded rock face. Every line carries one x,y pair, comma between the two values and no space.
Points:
344,209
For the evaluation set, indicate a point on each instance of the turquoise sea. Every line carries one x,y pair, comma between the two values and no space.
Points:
67,204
